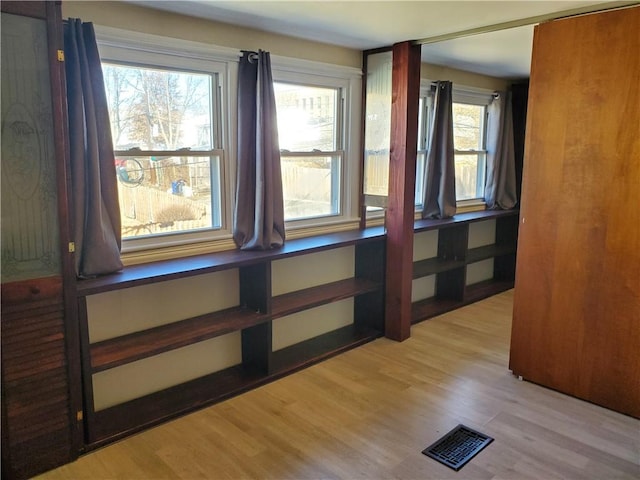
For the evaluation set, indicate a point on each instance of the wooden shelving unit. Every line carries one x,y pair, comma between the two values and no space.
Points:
253,317
258,308
454,256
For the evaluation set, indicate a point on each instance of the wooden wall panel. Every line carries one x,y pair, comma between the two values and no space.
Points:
576,325
36,419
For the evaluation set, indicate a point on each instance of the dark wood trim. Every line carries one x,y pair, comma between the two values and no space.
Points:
373,51
85,372
150,273
402,175
200,264
424,225
32,9
65,224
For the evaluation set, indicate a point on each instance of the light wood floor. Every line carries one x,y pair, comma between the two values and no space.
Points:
369,413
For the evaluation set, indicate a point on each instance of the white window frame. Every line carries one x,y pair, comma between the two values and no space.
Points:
424,129
461,94
348,82
123,46
472,96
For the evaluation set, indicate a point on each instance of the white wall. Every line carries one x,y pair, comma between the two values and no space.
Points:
121,312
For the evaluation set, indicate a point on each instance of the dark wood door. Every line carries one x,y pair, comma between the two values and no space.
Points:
40,399
576,322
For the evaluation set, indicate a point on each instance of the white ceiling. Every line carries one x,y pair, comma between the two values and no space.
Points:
364,25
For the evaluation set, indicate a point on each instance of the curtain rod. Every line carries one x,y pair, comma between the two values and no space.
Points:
527,21
494,94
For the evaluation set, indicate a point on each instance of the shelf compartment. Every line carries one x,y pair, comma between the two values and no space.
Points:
318,348
486,288
144,412
141,413
138,345
307,298
489,251
430,266
431,307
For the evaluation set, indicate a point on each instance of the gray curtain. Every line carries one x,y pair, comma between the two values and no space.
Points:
439,173
258,222
500,186
95,209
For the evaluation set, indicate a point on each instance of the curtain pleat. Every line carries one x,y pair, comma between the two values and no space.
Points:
439,173
258,222
96,211
500,186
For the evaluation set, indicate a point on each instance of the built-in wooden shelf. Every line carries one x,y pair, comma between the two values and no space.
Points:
136,346
318,348
260,364
164,270
294,302
431,266
454,256
129,417
486,288
431,307
426,224
253,319
489,251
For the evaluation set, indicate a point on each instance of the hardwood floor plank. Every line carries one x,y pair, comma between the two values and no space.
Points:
369,412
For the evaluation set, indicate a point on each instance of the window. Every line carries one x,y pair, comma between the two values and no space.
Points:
470,153
173,104
165,129
425,110
469,139
310,137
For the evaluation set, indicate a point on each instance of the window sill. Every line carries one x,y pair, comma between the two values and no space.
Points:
198,264
470,206
224,244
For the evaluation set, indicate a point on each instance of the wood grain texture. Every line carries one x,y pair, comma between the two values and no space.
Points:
577,303
402,179
369,412
36,410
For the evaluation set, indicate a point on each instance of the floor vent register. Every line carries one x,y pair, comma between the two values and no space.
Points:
457,447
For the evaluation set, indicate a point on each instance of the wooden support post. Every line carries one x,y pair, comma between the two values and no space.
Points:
402,179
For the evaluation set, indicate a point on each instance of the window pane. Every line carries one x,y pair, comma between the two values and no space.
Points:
306,117
469,176
160,195
311,186
421,159
377,134
468,124
155,109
